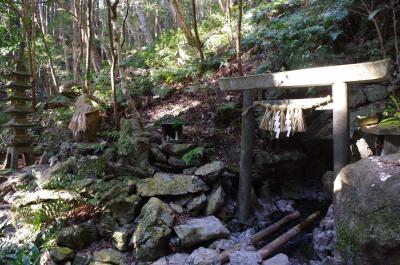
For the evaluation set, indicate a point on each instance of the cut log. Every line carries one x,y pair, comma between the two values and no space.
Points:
275,245
321,76
256,238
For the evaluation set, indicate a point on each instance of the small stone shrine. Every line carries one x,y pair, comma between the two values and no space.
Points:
20,143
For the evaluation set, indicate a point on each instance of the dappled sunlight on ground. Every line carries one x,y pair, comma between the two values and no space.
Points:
171,109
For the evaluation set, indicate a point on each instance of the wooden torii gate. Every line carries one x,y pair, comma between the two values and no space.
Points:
336,76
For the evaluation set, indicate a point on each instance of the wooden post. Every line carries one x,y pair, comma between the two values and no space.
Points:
246,159
341,131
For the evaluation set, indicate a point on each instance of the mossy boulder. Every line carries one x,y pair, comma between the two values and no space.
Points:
77,237
109,256
125,208
162,92
133,143
366,210
170,184
60,254
121,236
92,167
153,232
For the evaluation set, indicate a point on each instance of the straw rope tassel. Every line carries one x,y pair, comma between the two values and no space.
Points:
272,120
264,125
300,120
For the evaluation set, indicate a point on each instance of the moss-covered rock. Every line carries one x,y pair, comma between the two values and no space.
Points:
109,256
170,184
132,141
125,208
60,254
92,167
152,234
77,237
366,209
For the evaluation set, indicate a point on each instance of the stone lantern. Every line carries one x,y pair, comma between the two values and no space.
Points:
20,143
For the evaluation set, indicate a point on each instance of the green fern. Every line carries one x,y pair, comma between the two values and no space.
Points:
196,152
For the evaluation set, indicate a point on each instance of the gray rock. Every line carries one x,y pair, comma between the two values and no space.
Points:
324,236
189,171
60,254
24,198
125,209
98,263
215,200
364,111
78,236
176,162
285,205
152,235
120,238
366,210
356,96
170,184
327,182
244,258
203,256
109,256
80,259
375,92
176,207
280,259
158,154
196,204
162,92
134,146
191,89
222,245
175,149
211,171
199,230
41,174
279,163
106,225
174,259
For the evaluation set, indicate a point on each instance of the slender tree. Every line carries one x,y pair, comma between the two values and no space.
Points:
113,63
89,44
196,32
182,23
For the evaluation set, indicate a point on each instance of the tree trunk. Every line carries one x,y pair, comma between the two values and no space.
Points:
65,48
89,44
112,70
148,36
229,20
182,22
78,39
196,33
50,57
116,39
